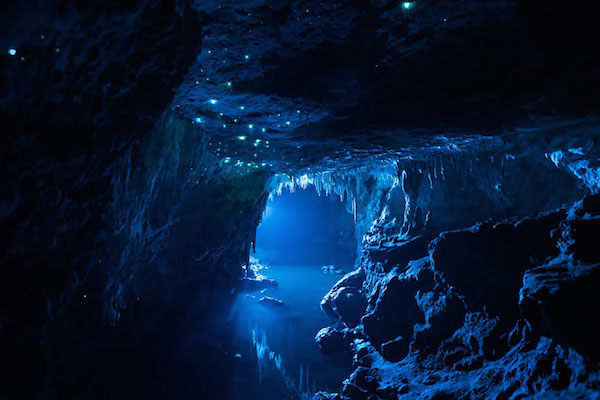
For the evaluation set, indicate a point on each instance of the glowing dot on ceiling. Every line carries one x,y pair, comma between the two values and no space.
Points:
250,126
12,52
241,137
407,5
199,120
247,57
287,122
298,111
257,140
213,101
228,84
263,129
224,126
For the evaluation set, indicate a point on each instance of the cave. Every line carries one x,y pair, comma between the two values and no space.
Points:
299,200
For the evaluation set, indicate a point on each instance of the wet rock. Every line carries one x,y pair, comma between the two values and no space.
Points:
346,300
559,301
395,350
350,304
245,285
270,302
331,341
396,310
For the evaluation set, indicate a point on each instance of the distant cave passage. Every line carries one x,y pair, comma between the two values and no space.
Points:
304,228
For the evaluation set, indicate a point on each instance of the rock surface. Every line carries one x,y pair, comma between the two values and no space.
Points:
141,141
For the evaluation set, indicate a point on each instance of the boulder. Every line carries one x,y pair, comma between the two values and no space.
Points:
331,341
396,309
346,300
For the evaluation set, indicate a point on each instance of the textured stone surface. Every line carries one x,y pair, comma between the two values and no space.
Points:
139,139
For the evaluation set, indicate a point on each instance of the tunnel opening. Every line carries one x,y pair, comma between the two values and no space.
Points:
305,243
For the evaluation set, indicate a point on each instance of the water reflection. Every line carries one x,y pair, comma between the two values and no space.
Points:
282,338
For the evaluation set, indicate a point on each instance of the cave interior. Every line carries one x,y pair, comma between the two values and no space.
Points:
300,200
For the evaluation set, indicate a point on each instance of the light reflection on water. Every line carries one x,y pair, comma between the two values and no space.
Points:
283,338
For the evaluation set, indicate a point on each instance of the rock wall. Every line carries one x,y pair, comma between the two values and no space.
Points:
500,310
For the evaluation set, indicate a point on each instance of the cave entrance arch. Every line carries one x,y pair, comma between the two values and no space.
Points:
305,242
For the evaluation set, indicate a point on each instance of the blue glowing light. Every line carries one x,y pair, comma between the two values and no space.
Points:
213,101
288,122
407,5
228,84
241,137
242,107
12,52
247,57
199,120
263,129
250,126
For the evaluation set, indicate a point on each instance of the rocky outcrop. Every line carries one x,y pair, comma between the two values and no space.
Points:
331,341
480,310
346,299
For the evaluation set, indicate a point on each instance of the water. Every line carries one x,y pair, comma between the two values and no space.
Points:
283,338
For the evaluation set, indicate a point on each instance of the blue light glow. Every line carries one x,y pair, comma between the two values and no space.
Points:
241,137
12,52
213,101
407,5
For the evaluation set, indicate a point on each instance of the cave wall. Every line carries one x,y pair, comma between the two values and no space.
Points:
108,198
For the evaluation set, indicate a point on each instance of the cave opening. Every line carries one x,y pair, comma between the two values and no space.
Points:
305,243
